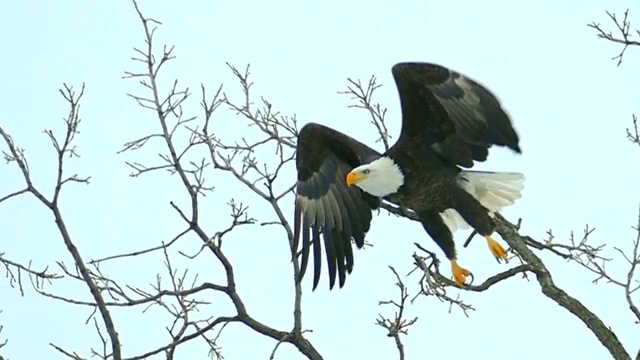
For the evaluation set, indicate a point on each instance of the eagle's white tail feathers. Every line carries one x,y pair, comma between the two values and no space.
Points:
453,220
494,190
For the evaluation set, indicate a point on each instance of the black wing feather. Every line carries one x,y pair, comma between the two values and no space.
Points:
453,114
317,256
328,213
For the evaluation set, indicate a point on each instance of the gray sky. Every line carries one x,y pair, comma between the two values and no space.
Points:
569,102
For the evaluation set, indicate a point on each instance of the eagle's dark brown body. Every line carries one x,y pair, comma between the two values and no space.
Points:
430,188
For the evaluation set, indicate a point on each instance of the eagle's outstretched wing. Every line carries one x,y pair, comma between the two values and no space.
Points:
325,206
453,114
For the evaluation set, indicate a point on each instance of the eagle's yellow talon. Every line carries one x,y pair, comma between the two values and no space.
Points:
496,249
459,273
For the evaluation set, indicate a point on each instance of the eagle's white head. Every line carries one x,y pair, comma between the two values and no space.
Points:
380,177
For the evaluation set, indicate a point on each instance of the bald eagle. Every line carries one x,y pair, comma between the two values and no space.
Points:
448,122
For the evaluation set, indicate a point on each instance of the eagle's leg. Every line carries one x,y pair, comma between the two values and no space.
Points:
441,234
496,249
478,217
459,273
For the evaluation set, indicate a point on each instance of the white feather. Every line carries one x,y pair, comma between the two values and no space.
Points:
494,190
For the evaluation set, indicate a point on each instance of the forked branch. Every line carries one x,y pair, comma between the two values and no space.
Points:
624,34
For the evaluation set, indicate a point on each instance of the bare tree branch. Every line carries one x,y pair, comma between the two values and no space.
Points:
629,283
399,325
14,270
623,28
236,159
364,100
64,147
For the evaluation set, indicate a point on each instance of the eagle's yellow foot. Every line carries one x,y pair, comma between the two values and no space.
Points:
496,249
459,273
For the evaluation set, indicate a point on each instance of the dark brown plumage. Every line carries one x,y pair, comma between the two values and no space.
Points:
324,158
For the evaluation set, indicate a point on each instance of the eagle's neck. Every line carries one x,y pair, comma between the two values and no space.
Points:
385,177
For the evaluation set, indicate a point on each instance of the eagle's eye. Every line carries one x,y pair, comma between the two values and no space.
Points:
366,171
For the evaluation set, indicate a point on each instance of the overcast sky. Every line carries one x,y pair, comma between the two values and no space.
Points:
569,101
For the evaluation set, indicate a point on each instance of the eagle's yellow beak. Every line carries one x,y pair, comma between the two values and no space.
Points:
354,178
